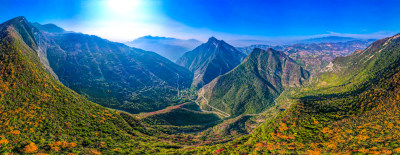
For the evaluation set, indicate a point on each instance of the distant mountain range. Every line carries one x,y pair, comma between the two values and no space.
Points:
315,56
280,42
328,39
171,48
209,60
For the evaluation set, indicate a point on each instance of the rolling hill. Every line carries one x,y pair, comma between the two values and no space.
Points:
252,86
209,60
352,107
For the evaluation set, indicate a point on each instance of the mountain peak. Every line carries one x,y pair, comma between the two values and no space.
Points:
213,40
19,18
52,28
21,26
16,20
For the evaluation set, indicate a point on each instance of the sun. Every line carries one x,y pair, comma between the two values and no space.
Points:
123,6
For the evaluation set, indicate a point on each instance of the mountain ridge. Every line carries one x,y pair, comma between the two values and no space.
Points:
252,86
113,74
209,60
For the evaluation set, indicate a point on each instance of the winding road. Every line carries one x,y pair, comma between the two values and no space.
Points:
220,112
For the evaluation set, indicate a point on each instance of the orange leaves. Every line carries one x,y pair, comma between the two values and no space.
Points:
386,152
314,152
56,146
283,127
72,144
397,150
15,132
273,146
3,141
326,130
331,145
30,148
362,137
102,144
390,125
95,152
259,146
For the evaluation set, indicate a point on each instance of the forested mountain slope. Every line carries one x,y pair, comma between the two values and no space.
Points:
209,60
40,115
353,107
112,74
252,86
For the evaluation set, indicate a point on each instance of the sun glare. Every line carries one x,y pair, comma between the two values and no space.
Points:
122,6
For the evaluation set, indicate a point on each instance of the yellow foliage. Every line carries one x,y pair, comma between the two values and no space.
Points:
95,152
386,152
390,125
325,130
116,150
71,145
314,152
283,127
331,146
55,148
30,148
15,132
57,143
3,141
102,144
259,145
397,150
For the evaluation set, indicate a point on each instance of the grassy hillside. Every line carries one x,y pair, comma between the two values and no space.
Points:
252,86
354,111
40,115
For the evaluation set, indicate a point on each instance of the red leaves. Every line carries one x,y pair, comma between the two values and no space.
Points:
219,151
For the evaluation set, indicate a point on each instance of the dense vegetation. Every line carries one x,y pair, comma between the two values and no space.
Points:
351,107
355,111
209,60
253,86
40,115
112,74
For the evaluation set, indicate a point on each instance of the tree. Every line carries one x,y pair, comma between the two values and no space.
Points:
30,148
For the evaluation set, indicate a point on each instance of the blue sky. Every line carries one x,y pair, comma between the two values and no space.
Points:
122,20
